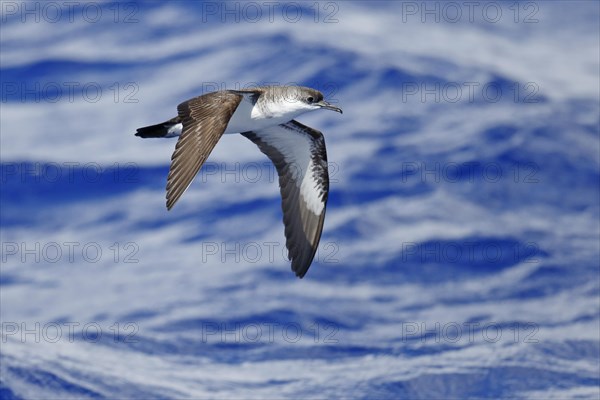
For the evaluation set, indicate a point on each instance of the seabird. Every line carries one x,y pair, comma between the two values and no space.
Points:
265,115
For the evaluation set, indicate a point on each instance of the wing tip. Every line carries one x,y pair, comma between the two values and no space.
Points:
170,202
301,266
300,272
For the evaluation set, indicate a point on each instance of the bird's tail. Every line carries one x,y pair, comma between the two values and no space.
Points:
169,128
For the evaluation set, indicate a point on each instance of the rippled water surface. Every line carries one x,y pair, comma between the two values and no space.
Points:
460,254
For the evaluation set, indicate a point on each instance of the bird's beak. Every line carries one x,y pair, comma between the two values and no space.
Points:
324,104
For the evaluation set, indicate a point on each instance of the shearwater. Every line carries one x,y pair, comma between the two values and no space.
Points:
265,115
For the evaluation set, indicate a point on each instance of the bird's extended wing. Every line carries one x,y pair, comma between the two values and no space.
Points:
299,155
204,120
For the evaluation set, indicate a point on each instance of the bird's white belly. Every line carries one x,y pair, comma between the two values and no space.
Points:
248,117
174,131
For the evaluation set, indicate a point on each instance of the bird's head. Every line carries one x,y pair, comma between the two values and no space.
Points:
296,100
311,99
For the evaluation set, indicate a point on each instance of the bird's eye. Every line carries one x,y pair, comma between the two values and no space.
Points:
310,99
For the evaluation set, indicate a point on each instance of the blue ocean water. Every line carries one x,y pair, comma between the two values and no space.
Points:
460,253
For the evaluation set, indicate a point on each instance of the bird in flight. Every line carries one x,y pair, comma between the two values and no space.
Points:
265,115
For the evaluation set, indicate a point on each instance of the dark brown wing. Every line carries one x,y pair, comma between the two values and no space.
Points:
299,155
204,120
